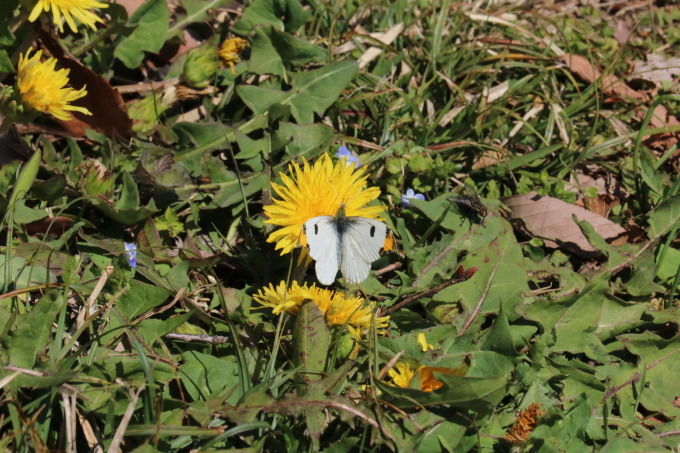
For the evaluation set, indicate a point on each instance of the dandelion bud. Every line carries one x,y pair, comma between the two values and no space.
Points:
95,178
201,66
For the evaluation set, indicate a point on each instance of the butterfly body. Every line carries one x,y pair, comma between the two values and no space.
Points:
346,243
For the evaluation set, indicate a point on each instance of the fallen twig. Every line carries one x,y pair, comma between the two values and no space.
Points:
212,339
460,276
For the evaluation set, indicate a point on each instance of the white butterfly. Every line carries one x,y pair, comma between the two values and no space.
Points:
350,244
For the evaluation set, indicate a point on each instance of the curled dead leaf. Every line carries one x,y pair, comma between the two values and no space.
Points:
13,147
551,220
109,114
55,226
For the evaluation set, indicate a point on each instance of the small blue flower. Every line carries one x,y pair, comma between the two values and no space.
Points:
131,254
411,195
347,154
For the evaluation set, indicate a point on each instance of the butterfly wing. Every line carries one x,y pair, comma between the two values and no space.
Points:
322,241
362,240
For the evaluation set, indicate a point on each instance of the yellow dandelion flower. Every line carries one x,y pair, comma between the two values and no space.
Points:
315,190
230,51
401,375
80,9
338,310
351,311
281,298
44,89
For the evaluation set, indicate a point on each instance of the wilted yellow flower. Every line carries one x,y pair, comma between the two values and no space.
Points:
338,310
402,376
44,89
80,9
315,190
230,51
525,422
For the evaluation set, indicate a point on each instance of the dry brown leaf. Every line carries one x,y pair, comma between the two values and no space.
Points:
611,84
614,87
489,158
13,147
109,114
601,204
55,226
623,32
551,220
386,38
657,68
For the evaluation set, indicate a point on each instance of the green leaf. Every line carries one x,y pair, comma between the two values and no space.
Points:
110,365
126,210
129,196
661,357
615,255
200,137
25,179
311,340
6,65
51,189
7,38
500,338
641,281
162,169
150,24
248,147
565,432
302,140
153,329
286,15
139,298
573,320
272,50
296,51
23,214
500,262
479,394
312,91
264,58
125,216
671,262
664,217
21,275
230,195
196,11
170,222
32,333
205,376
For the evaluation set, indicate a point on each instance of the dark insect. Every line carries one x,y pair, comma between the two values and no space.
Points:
470,202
